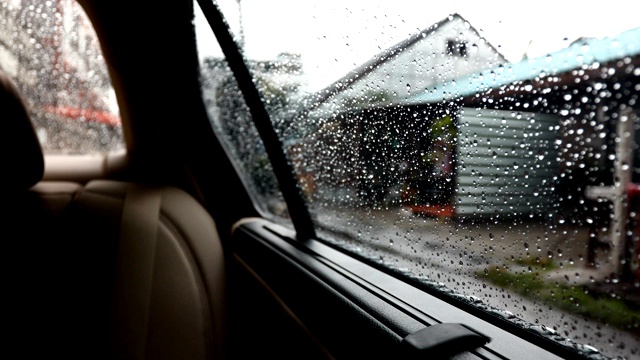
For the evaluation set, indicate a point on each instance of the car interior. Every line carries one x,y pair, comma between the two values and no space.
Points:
160,251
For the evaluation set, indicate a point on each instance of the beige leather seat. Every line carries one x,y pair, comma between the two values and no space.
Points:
166,271
108,270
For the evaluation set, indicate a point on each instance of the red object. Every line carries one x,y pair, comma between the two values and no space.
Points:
441,211
633,190
87,114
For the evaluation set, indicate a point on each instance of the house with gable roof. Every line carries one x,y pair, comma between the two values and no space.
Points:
406,69
503,122
393,76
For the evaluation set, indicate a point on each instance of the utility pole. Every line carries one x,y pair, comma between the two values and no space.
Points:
241,32
617,194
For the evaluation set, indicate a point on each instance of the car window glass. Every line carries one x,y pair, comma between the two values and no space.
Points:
487,151
233,124
51,51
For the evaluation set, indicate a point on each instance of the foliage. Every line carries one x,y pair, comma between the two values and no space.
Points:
576,299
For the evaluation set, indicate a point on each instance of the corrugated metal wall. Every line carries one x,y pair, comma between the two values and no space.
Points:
506,163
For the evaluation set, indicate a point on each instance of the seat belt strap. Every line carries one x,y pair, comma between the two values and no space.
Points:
134,270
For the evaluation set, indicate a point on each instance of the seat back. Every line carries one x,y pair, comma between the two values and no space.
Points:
160,290
108,270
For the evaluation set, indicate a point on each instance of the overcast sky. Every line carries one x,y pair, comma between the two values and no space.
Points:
335,36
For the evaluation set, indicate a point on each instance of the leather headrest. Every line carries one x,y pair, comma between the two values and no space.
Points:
23,162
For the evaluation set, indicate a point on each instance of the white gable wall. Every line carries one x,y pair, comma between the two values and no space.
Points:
423,65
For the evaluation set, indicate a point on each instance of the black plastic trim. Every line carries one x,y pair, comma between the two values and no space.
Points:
355,331
441,341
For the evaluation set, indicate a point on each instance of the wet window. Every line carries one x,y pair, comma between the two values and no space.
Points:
488,152
456,48
51,51
232,122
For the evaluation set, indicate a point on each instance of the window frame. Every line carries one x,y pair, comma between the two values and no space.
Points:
389,297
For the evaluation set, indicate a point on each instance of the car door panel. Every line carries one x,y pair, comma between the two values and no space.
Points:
353,309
